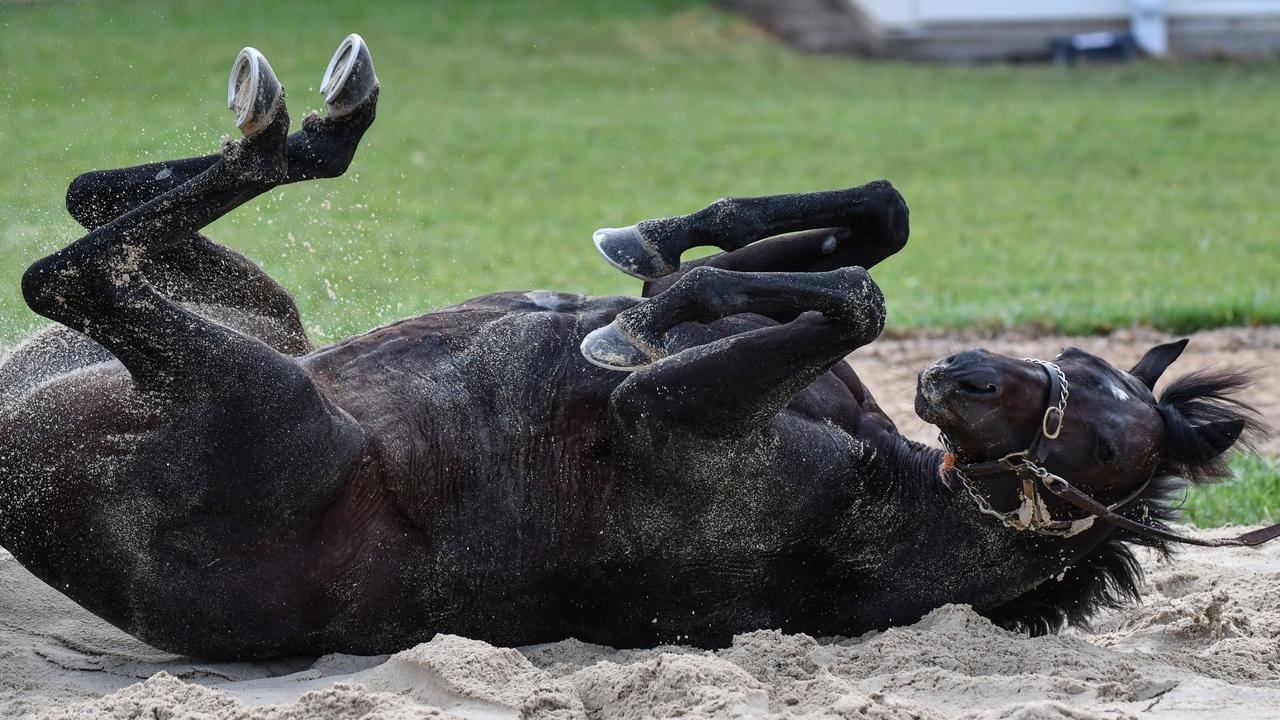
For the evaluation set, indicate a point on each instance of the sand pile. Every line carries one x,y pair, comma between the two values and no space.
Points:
1204,644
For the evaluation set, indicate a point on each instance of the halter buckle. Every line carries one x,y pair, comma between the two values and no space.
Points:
1054,416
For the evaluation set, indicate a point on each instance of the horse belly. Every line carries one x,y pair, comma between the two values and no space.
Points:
489,428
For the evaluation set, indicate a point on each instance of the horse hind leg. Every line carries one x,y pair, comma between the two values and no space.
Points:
197,271
98,285
323,148
214,384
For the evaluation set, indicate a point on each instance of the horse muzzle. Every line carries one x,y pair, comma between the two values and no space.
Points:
953,383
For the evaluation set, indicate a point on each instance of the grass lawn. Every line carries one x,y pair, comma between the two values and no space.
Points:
1073,199
508,131
1251,497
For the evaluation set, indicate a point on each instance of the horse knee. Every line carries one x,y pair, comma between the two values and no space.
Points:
85,201
859,304
39,287
889,220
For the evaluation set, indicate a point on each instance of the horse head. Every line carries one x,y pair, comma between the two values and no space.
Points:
1081,423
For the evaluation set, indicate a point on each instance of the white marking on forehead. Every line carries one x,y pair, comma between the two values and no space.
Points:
1116,391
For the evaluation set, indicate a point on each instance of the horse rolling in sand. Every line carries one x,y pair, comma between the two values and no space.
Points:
177,458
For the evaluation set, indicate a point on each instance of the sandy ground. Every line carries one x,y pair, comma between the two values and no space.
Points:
1202,645
1205,643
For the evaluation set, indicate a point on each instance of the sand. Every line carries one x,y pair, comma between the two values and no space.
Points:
1204,643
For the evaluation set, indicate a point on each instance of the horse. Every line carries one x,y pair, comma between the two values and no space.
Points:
523,467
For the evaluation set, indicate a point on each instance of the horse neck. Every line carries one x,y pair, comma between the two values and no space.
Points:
951,551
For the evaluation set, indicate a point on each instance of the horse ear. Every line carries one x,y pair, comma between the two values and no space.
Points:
1156,361
1221,435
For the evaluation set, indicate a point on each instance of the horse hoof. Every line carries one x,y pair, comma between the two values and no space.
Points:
349,80
612,349
253,92
628,250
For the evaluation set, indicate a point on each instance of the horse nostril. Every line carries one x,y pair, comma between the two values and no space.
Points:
977,388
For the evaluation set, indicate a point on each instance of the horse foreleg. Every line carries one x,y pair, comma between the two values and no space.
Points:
867,223
734,385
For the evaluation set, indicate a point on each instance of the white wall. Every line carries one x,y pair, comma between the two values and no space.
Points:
909,14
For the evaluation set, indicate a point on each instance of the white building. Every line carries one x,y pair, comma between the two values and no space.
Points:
994,29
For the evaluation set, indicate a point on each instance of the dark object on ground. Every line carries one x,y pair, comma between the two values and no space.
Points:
175,457
1093,47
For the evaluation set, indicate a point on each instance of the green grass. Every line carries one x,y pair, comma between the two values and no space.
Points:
1074,199
1252,496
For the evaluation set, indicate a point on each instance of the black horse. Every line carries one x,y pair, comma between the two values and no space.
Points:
176,457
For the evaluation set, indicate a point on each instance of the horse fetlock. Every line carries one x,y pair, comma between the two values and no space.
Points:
259,162
326,145
703,293
703,277
350,125
727,223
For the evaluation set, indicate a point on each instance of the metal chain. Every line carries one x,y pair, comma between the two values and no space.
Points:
1062,378
1016,461
983,505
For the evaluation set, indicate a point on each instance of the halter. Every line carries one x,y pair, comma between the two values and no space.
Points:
1028,465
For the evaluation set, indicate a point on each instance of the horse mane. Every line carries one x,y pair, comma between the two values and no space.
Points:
1201,419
